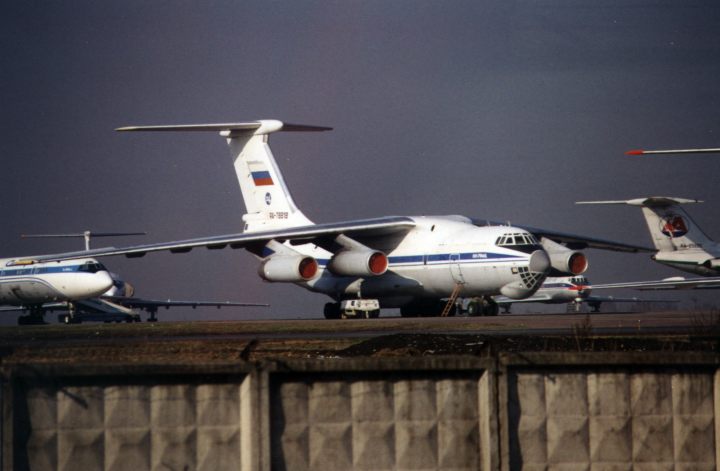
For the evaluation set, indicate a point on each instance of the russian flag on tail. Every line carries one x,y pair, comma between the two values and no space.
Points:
260,175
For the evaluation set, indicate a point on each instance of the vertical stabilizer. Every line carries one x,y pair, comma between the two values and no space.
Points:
671,228
267,199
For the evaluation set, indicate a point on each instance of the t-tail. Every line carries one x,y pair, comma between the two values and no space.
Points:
679,240
268,201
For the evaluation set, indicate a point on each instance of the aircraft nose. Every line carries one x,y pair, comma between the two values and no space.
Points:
101,282
539,262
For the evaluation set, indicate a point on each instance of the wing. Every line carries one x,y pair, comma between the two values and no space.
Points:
573,241
150,304
318,233
675,283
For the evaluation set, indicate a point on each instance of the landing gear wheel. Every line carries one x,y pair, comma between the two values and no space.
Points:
473,308
493,309
489,307
332,311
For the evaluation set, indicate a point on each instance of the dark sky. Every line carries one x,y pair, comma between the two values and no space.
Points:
509,110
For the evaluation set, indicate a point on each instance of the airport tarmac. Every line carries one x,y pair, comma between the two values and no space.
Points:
233,341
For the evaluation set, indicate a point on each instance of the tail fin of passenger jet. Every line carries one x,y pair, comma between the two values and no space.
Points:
671,228
267,199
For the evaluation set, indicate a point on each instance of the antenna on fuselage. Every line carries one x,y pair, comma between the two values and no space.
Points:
85,235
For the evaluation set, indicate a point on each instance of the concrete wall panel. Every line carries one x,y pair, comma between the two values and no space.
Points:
359,423
129,427
657,419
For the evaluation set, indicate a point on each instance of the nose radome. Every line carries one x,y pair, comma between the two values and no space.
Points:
539,262
102,281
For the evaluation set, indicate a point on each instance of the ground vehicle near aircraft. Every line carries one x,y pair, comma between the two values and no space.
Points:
354,308
415,263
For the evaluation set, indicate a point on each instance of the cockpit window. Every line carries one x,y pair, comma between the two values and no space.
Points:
516,239
91,267
520,241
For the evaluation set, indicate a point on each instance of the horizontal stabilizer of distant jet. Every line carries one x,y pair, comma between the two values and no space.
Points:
673,151
264,126
650,202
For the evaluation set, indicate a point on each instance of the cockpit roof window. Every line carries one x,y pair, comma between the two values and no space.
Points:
516,238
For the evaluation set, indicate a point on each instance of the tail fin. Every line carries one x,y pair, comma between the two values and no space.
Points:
267,199
671,228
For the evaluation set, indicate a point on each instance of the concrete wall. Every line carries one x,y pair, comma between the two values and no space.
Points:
531,412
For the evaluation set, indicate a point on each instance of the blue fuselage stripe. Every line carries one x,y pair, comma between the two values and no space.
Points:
39,270
440,259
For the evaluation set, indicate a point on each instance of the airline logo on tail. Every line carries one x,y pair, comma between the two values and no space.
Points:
673,226
260,175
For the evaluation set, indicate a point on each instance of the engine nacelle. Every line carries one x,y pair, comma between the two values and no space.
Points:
288,268
358,263
563,259
712,263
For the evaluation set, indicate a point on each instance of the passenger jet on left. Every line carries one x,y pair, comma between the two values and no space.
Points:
30,284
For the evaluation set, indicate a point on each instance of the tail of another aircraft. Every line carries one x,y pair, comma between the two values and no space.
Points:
671,228
267,199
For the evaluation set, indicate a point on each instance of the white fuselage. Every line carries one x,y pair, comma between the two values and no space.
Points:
564,289
432,258
37,283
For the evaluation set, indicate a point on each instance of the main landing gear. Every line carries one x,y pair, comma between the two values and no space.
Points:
35,316
485,306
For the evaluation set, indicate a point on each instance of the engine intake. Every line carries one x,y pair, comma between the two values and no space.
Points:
358,263
288,268
564,260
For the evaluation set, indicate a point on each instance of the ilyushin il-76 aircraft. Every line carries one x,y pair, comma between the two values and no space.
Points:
679,243
414,263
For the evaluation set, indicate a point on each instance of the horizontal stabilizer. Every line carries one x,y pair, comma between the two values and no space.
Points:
82,234
265,126
651,202
673,151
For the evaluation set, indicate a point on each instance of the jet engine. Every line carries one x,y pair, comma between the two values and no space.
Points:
120,287
358,263
563,259
712,263
288,268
